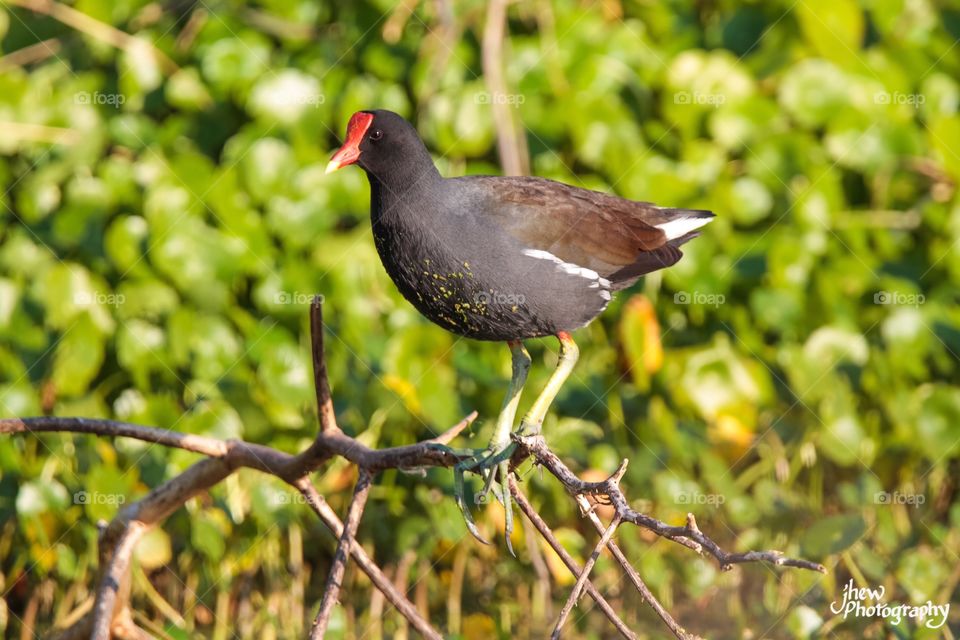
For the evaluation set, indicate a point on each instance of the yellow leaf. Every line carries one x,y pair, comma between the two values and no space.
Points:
44,556
640,336
496,516
478,626
405,389
154,550
733,435
558,570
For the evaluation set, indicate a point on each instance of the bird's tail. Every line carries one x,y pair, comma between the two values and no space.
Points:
681,224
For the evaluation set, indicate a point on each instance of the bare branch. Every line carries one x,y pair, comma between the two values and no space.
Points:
568,560
328,418
379,579
332,590
111,612
198,444
584,575
634,576
689,535
115,579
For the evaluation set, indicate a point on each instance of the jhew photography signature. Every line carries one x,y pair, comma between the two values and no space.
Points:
853,604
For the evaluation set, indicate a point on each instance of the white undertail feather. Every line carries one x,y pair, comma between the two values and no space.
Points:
679,227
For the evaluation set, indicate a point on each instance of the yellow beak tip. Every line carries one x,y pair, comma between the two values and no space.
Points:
332,166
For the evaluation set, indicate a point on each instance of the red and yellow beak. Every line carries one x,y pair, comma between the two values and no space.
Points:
350,151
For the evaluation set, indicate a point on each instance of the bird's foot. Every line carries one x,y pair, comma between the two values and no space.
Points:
528,428
493,465
456,452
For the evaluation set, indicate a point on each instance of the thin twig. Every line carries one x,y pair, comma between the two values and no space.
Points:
116,574
329,518
198,444
331,591
584,575
689,535
634,576
328,418
568,560
95,29
256,456
30,54
510,140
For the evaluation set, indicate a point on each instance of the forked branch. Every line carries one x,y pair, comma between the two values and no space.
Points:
111,614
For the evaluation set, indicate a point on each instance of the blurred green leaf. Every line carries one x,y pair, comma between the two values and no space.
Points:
832,535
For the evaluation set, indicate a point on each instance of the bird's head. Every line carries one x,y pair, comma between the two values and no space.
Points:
382,143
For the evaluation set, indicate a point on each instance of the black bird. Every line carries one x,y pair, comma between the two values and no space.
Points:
504,258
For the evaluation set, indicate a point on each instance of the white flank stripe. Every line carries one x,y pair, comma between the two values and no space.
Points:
682,226
569,267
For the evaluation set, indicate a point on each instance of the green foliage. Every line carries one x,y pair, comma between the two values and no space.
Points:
164,226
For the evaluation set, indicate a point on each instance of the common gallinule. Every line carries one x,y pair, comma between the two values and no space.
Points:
504,258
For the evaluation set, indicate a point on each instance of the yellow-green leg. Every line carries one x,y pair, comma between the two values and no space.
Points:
569,353
494,462
508,411
492,457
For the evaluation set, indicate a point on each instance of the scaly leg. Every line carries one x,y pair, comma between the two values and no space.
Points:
492,458
569,353
494,462
533,421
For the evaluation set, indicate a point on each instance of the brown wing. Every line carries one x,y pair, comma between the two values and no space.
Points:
587,228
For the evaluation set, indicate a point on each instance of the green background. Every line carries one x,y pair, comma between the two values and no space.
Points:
163,226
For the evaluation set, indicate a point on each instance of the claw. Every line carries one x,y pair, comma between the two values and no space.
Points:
492,464
507,506
464,509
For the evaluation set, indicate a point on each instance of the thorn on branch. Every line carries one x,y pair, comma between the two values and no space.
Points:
614,480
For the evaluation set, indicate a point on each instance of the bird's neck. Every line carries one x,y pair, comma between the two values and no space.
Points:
408,175
405,191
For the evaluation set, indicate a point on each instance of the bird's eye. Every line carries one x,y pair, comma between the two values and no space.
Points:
376,135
